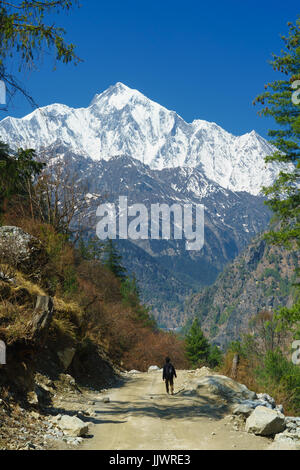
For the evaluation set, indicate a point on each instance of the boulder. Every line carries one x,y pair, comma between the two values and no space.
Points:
226,387
255,403
66,357
265,422
242,410
267,398
44,394
41,320
32,398
68,380
286,440
152,368
133,371
73,426
293,419
279,408
22,251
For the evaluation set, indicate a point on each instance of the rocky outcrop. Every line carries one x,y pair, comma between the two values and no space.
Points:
22,251
41,320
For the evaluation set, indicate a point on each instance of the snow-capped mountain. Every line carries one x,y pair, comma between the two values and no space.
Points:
122,121
125,144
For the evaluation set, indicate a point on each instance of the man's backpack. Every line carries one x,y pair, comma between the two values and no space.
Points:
169,371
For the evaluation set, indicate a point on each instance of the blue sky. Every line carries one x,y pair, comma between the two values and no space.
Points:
205,60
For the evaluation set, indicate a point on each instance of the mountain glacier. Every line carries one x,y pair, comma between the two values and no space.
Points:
122,121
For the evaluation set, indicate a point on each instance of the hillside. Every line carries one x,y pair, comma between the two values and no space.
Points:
62,312
259,279
232,219
125,144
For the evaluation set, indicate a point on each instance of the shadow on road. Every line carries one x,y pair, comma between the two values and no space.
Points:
172,408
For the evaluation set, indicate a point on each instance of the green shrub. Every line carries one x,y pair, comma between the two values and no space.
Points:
282,378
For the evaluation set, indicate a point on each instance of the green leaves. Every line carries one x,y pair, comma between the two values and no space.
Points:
17,172
25,35
283,195
112,260
197,346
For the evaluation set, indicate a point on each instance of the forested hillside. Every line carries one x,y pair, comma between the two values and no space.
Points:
260,279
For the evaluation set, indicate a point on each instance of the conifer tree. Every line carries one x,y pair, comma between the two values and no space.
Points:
197,346
90,249
112,260
281,101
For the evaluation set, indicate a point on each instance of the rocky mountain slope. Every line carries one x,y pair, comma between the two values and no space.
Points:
165,267
259,279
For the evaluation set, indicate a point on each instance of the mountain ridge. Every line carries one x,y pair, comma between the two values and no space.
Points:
259,279
125,144
121,120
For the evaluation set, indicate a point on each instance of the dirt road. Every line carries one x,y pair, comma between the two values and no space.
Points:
140,415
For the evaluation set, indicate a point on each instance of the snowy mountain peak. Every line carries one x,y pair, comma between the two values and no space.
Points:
116,96
122,121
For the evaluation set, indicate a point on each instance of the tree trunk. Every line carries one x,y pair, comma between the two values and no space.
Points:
234,368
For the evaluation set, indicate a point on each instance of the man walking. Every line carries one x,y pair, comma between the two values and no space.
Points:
169,373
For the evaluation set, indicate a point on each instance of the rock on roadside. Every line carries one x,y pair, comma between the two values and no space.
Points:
73,426
265,422
225,387
242,410
153,368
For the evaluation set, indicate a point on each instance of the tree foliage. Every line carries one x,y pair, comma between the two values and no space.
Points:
197,346
25,33
281,102
17,171
113,260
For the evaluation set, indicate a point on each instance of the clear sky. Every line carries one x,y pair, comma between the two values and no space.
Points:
205,60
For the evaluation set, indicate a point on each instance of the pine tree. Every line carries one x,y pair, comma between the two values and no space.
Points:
281,102
91,249
112,260
215,356
197,346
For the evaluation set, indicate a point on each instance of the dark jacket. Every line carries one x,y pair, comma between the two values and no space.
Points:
172,373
